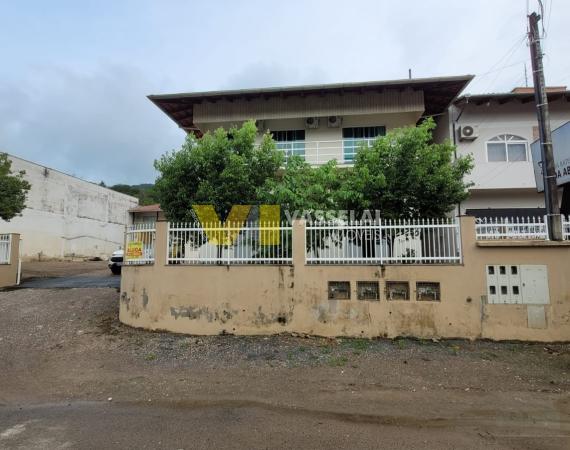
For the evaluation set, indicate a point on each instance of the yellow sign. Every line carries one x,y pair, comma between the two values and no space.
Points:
134,250
226,233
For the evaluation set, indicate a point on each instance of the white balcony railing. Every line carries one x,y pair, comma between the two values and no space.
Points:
320,152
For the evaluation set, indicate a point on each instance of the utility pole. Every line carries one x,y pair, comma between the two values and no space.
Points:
548,170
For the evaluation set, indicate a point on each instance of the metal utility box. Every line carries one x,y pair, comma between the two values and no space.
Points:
517,284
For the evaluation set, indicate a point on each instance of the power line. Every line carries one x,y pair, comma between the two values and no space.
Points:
505,58
549,16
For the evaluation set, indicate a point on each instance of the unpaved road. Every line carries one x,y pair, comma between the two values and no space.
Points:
63,355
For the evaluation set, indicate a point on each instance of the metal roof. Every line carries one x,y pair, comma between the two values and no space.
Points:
504,97
146,208
439,93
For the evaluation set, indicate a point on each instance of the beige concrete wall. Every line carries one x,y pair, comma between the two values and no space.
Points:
9,272
273,299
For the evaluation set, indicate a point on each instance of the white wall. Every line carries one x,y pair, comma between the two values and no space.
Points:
503,198
66,216
510,118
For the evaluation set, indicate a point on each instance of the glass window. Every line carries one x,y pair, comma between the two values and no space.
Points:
507,147
288,135
516,152
354,137
496,152
292,142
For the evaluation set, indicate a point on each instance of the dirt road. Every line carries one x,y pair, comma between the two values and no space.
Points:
71,376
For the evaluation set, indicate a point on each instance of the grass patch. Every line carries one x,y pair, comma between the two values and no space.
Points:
400,343
326,349
150,356
184,345
337,361
358,345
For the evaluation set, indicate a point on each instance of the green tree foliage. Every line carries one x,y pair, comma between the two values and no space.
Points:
223,168
405,174
144,192
303,188
13,190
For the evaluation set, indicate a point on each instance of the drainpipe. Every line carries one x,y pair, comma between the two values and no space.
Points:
454,131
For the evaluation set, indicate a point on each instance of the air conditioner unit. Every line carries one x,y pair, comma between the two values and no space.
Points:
468,132
312,122
334,121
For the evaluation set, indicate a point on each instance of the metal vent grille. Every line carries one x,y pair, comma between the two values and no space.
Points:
339,290
368,290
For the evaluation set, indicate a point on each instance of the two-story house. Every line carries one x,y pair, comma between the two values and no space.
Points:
318,122
497,129
324,122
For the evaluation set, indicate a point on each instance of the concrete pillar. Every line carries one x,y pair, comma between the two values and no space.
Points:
15,249
298,247
467,224
161,243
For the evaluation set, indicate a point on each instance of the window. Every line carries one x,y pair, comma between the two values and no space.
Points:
292,142
353,138
507,147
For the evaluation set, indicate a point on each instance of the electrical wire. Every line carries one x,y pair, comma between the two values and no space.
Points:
506,58
549,16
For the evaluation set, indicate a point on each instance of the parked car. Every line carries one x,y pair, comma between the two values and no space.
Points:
116,262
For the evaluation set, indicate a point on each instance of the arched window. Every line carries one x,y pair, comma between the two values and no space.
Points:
507,147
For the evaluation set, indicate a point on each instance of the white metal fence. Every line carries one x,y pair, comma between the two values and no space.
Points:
5,248
511,228
140,244
229,243
566,227
419,241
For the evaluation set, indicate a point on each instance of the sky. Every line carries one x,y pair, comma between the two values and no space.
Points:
74,75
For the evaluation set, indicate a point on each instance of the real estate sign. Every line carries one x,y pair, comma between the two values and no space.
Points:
134,250
561,150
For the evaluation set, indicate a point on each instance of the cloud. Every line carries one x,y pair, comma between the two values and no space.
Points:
75,99
262,74
97,125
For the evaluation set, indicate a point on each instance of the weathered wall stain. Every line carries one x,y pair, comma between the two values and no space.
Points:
197,313
262,319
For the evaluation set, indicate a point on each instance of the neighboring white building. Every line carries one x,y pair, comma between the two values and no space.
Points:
318,122
504,126
66,216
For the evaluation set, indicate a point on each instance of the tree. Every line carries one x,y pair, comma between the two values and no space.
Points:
13,190
304,189
223,168
405,174
144,192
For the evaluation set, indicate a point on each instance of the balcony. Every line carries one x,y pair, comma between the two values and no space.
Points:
317,153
